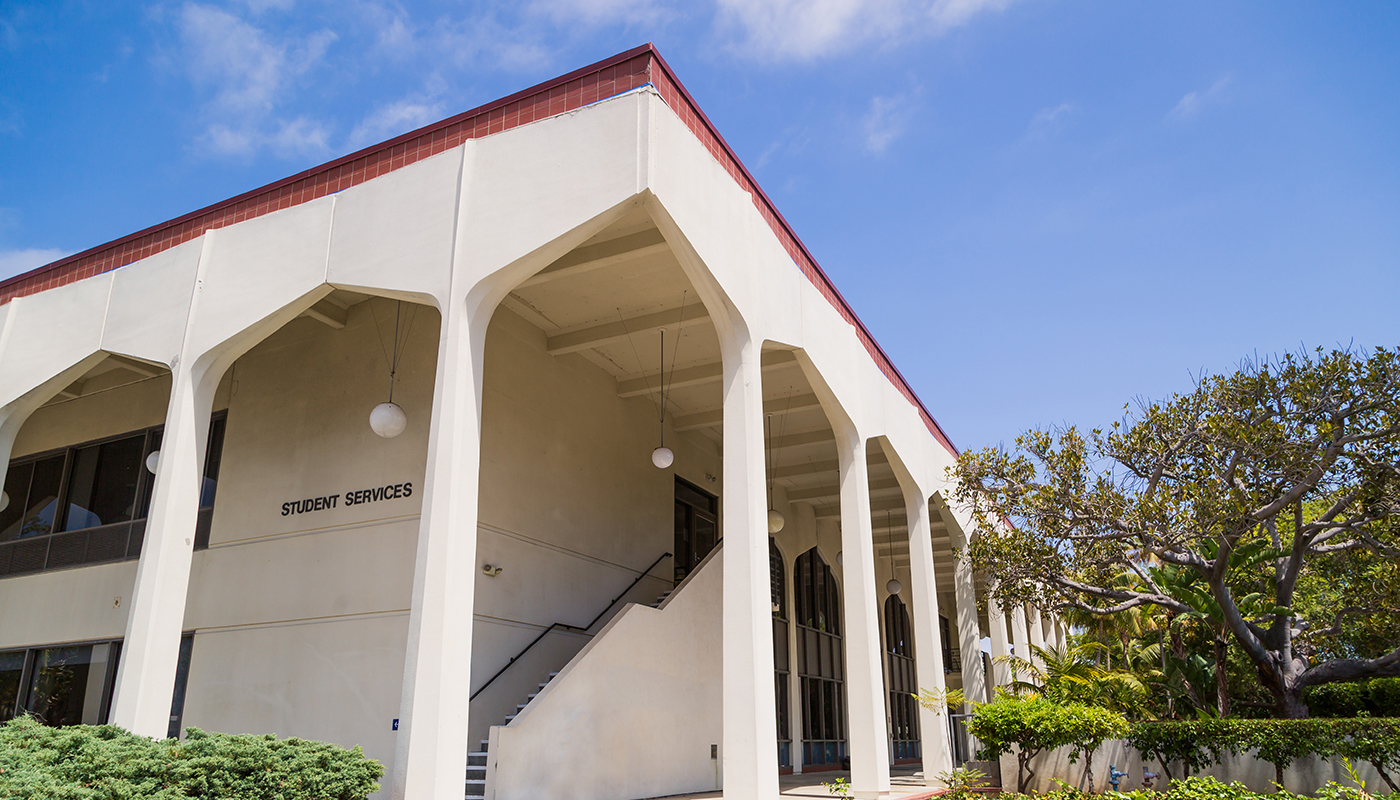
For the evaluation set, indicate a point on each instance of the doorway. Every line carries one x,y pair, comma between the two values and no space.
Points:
697,527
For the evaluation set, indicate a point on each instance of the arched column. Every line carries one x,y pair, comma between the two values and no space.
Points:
996,620
1020,638
928,643
868,733
750,757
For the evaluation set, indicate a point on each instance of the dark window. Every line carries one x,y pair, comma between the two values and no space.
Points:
182,679
697,527
819,665
782,669
903,683
72,684
88,504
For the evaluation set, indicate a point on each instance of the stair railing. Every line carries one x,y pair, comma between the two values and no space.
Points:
564,626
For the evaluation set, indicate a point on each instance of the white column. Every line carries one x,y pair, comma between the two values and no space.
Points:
928,643
10,422
867,733
430,760
1037,635
1020,639
146,677
996,620
750,748
975,688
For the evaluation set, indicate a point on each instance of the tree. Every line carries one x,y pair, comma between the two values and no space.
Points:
1244,483
1032,725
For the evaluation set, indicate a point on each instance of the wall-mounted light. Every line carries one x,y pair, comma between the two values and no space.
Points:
487,569
152,461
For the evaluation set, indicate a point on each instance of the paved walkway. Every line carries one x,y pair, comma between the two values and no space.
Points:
904,784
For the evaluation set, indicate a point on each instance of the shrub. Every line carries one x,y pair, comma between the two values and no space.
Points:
1034,725
1198,744
104,762
1378,697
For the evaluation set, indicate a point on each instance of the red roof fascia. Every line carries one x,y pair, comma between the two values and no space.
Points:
620,73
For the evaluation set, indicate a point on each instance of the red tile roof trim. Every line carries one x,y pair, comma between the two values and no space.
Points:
621,73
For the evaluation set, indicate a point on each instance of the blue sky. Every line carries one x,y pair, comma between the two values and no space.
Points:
1041,208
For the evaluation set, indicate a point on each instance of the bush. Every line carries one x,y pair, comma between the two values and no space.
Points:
1378,697
84,762
1034,725
1200,743
1206,788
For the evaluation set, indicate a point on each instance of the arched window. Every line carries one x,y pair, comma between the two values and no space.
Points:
903,683
782,668
819,665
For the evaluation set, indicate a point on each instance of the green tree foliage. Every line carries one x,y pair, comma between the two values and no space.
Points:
1032,725
1195,745
1219,502
84,762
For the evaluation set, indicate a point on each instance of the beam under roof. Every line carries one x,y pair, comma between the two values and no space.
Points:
610,332
705,419
597,256
712,372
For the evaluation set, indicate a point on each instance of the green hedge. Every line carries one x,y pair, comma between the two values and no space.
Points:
1207,788
84,762
1197,744
1378,697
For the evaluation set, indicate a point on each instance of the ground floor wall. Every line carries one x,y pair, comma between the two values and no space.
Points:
1304,777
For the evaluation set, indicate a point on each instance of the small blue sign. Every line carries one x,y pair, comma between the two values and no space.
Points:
396,724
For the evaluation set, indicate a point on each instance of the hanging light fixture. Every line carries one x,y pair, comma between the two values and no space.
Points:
893,586
152,461
4,500
387,419
661,457
776,520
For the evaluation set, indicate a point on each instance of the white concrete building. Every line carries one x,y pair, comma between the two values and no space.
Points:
551,287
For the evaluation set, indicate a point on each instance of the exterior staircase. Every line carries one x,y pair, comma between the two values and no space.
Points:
476,762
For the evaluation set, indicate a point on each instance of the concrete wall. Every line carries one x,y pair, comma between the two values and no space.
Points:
1304,776
632,715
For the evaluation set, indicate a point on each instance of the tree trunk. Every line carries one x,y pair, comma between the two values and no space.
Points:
1089,768
1222,684
1289,704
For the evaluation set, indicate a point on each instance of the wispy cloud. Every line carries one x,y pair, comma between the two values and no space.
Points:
805,30
394,118
1047,119
249,74
601,12
14,262
886,120
1193,103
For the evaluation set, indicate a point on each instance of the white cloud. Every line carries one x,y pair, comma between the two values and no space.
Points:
886,121
392,119
1047,119
600,12
250,74
804,30
1192,103
14,262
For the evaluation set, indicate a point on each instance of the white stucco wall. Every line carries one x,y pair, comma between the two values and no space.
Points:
632,715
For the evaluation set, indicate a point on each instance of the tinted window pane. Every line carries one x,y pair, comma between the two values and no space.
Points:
59,685
42,502
212,458
11,667
17,492
102,485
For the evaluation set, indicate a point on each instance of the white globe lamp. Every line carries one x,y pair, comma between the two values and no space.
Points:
775,521
152,461
4,501
894,586
387,420
662,457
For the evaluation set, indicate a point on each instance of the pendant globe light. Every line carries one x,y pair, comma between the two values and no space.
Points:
662,457
893,586
387,419
776,520
4,500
